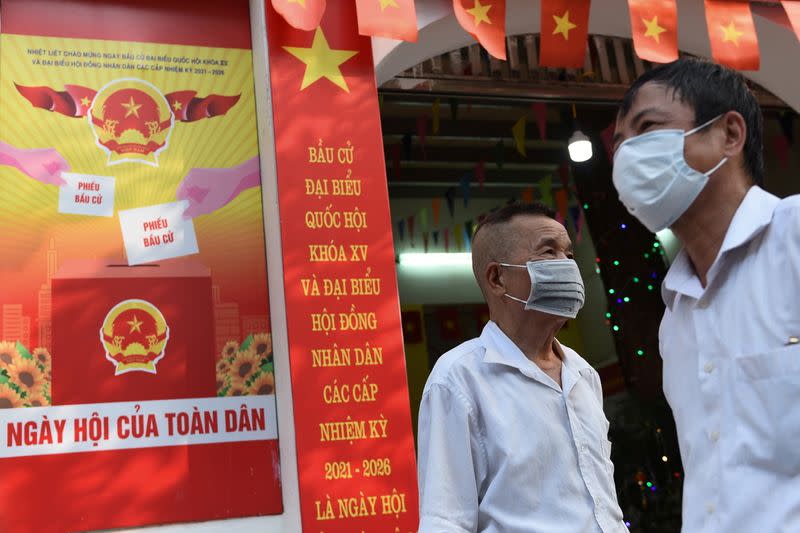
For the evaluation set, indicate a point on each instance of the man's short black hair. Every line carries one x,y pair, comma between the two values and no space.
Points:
506,213
710,90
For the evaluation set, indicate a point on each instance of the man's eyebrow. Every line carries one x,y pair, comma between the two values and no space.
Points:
547,241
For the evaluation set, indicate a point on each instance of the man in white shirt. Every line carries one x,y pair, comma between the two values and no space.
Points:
512,435
688,150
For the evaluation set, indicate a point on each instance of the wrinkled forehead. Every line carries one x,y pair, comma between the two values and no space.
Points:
528,234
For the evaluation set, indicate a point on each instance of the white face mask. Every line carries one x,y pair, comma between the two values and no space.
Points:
556,287
653,179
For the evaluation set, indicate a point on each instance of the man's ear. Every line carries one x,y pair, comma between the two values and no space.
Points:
735,133
494,279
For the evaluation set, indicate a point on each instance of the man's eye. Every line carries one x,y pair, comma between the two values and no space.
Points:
646,125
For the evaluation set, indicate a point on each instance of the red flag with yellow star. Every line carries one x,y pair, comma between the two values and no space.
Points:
792,8
565,27
732,33
301,14
486,21
654,24
395,19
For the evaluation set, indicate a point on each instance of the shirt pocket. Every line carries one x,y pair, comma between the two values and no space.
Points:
766,397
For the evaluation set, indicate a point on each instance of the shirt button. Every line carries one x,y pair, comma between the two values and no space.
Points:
710,508
714,436
709,367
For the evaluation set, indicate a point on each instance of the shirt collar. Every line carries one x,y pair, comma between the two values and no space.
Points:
751,218
502,350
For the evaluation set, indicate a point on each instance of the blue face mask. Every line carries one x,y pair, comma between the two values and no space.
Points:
556,287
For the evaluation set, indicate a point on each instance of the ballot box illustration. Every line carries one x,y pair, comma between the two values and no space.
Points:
126,333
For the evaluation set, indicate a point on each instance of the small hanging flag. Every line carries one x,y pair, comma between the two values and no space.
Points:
563,173
435,236
732,33
467,229
527,195
393,19
485,20
304,16
401,229
792,8
423,219
435,111
518,131
410,222
655,29
436,207
407,146
565,28
422,133
546,190
499,153
540,114
450,196
446,239
562,202
458,235
480,172
781,146
425,241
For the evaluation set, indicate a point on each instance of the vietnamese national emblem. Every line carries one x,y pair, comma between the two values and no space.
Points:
134,334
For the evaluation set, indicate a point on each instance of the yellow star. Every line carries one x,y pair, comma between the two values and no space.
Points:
176,105
135,324
653,29
132,107
301,2
480,13
85,101
563,25
388,3
321,61
731,34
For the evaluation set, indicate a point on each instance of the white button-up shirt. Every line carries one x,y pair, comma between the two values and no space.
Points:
732,373
503,448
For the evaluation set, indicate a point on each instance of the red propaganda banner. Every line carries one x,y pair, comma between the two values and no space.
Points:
654,25
565,28
136,372
355,449
734,42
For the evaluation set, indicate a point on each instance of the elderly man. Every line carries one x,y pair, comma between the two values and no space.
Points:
512,435
688,151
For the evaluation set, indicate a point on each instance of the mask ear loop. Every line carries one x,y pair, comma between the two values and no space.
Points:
508,295
703,125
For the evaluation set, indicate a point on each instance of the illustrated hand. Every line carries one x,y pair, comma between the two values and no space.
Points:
42,164
208,189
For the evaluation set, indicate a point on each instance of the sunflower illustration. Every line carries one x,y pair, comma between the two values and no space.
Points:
9,397
26,374
42,356
36,399
222,381
223,366
244,366
237,390
263,384
230,349
8,354
262,343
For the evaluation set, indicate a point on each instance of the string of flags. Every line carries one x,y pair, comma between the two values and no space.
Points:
565,27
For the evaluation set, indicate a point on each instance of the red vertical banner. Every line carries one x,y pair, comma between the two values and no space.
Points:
355,449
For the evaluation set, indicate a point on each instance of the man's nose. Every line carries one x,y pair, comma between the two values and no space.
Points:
561,255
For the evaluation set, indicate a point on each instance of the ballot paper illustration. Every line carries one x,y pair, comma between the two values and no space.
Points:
86,194
157,232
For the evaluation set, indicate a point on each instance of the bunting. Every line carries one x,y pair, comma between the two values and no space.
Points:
562,203
301,14
450,196
732,33
436,207
540,115
458,236
393,19
485,20
464,183
565,28
423,219
425,241
435,236
546,190
654,25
